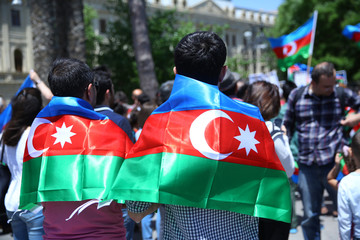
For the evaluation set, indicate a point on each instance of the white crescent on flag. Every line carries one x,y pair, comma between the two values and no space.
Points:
197,134
34,153
290,49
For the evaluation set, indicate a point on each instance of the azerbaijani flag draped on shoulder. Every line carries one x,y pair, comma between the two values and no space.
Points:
353,33
296,46
202,149
72,153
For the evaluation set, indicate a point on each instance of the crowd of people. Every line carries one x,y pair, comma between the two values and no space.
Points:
60,182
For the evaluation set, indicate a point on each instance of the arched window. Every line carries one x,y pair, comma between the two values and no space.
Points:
18,60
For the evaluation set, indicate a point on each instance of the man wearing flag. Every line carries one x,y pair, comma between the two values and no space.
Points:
209,159
71,159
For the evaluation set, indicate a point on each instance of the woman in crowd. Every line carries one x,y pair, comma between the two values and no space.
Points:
26,224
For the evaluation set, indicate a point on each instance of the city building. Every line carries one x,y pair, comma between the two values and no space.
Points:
244,35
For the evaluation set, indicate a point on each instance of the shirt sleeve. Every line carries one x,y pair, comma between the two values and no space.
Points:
289,118
137,207
353,99
344,211
284,154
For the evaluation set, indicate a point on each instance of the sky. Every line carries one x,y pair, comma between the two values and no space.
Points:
266,5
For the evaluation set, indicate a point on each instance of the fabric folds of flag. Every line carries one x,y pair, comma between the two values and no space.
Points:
5,116
294,47
353,33
72,153
203,149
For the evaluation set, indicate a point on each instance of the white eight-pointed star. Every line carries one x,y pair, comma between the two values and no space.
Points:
63,135
247,140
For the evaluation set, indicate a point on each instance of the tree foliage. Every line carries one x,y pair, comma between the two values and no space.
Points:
165,31
330,44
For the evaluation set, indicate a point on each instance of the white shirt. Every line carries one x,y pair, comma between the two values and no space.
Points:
349,205
282,149
13,158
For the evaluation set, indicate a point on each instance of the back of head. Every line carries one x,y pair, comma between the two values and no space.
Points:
355,146
103,79
228,85
165,91
200,55
266,97
287,87
69,77
25,106
324,68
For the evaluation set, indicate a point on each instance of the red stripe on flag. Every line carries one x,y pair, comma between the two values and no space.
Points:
356,36
301,42
172,136
92,137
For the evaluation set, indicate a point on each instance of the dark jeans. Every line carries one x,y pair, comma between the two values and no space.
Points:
312,181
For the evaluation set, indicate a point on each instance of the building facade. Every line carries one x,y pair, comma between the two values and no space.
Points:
243,37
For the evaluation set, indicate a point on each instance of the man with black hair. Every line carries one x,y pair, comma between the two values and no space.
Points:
199,57
105,100
315,113
71,159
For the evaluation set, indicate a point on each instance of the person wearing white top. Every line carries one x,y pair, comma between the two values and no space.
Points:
26,224
349,196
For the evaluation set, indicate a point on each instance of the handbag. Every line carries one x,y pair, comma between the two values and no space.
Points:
5,176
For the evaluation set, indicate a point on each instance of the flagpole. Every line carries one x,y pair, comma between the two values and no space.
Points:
312,43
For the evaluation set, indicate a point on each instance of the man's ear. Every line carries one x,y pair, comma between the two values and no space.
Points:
174,70
90,94
222,73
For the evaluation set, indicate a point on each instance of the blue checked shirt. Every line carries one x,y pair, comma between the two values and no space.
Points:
182,222
317,121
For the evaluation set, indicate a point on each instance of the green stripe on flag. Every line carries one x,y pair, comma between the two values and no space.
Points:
68,178
303,53
178,179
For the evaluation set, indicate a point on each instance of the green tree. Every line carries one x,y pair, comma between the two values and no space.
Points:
92,39
330,44
165,31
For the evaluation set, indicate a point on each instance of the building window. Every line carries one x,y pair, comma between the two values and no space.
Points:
15,18
102,26
234,40
18,60
227,39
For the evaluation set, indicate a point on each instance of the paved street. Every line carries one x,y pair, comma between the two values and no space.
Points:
329,232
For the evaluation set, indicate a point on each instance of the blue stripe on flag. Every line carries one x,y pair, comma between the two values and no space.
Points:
191,94
299,33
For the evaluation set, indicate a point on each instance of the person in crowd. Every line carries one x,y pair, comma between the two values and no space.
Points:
77,146
134,96
228,85
105,99
199,64
349,196
266,97
315,112
26,224
121,103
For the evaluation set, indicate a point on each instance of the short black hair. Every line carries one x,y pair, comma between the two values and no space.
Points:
103,78
69,77
200,55
325,68
287,87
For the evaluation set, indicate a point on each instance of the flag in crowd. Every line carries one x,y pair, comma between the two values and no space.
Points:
353,33
5,116
68,157
296,46
188,164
